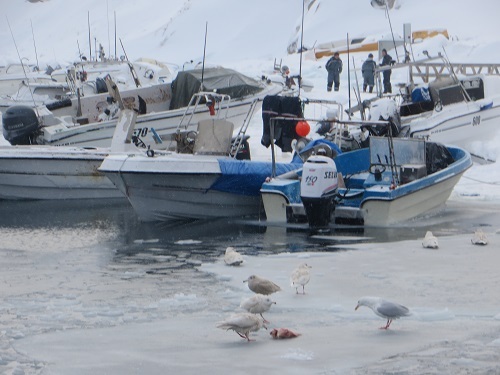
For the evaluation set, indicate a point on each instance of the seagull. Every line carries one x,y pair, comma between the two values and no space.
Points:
242,324
479,238
257,304
300,276
384,309
430,241
232,257
262,286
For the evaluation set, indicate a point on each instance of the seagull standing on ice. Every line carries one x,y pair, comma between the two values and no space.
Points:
257,304
242,324
262,286
430,241
300,276
479,238
232,257
384,309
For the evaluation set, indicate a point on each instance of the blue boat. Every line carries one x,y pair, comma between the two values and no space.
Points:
391,181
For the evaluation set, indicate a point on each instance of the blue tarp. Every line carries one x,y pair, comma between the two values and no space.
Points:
245,177
420,94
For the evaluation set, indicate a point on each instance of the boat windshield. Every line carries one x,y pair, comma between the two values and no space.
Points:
406,151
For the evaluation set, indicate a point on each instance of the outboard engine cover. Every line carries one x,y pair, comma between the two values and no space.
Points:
20,125
244,151
317,190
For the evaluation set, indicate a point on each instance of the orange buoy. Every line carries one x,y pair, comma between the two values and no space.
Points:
302,128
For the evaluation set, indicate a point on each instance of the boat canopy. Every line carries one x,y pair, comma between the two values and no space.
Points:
220,80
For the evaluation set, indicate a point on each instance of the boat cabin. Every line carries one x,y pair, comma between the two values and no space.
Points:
443,92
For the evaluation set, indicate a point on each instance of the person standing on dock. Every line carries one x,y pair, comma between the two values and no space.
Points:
334,68
368,70
387,61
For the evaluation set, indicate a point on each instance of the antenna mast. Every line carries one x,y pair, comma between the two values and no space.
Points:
392,33
22,65
301,45
34,44
349,75
90,39
204,51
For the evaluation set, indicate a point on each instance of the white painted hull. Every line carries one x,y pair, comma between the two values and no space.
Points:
382,213
39,172
275,205
164,123
177,187
461,124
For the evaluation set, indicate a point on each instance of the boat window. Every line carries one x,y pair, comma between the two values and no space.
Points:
474,87
451,94
406,151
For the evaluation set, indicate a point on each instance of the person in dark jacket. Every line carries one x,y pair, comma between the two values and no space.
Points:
368,70
334,68
387,61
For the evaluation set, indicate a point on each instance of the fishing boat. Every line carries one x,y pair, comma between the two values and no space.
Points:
38,172
160,110
392,181
79,90
13,75
208,174
461,111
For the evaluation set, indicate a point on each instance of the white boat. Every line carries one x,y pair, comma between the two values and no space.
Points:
86,130
37,172
13,75
80,90
464,113
45,172
71,172
206,177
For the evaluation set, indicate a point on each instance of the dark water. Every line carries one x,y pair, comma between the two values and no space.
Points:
113,224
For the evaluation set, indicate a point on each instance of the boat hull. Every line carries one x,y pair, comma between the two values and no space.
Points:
185,186
165,123
466,125
377,205
383,213
381,205
32,172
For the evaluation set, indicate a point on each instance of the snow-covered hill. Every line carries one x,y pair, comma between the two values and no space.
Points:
174,30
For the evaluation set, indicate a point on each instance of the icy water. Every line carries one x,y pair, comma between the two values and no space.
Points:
84,265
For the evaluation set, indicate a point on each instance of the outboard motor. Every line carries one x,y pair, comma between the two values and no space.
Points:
244,150
20,125
317,190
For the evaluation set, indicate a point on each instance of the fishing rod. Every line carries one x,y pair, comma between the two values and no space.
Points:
22,66
131,67
107,19
203,62
90,39
34,44
349,75
301,45
116,57
357,92
392,33
454,76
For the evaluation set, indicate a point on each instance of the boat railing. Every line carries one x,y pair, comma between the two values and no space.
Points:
218,106
240,137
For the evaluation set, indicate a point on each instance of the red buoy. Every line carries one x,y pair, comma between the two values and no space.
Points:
302,128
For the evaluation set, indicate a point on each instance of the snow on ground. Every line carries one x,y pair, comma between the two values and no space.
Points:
451,291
